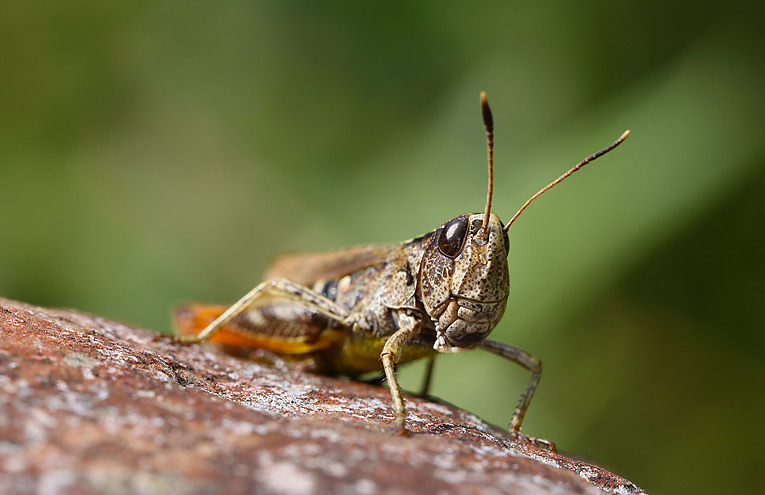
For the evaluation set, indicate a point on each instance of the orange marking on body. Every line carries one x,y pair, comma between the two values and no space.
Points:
190,319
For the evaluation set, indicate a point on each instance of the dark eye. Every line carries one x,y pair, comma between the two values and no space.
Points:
453,236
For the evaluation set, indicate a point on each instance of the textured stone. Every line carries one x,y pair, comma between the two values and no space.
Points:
92,406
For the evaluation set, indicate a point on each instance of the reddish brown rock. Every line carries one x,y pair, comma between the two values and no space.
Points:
91,406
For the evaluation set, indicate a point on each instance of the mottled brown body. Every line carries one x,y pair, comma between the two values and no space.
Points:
365,309
406,278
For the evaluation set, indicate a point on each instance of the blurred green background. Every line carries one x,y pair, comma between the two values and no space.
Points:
155,152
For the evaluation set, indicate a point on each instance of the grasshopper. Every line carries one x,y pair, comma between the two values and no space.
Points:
346,311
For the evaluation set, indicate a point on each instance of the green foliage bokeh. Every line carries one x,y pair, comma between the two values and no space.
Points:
154,152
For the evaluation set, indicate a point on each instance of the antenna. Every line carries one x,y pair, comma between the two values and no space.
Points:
488,124
579,165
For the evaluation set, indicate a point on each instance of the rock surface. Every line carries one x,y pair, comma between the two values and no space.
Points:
92,406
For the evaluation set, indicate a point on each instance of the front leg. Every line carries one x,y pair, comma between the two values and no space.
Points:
525,360
409,327
533,364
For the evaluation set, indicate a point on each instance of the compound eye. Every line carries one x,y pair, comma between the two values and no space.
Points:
453,237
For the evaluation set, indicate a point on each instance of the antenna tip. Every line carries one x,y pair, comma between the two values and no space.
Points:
624,136
488,120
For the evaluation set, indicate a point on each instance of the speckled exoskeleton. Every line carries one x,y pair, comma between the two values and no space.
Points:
353,311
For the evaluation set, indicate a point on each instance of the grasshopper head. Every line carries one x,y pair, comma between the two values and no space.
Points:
464,280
